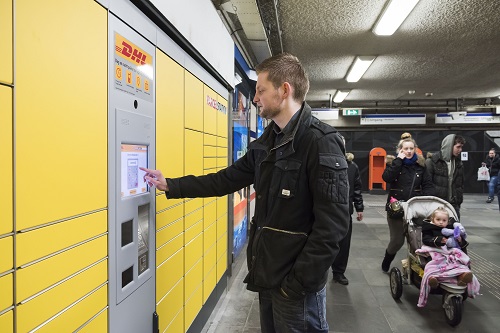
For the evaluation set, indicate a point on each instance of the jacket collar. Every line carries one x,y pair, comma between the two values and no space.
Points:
266,141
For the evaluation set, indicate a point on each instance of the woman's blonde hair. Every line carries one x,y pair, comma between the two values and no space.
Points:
405,137
349,156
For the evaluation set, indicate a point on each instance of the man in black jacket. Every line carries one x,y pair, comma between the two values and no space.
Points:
299,173
447,171
492,162
355,202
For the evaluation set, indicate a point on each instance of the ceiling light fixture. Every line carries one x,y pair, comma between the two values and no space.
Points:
340,95
393,15
358,68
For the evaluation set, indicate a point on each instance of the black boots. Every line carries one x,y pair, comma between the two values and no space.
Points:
386,263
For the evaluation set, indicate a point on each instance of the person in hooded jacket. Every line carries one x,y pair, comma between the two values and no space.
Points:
492,162
299,172
407,177
355,202
447,171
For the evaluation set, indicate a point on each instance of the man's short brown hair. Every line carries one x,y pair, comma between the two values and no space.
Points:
285,67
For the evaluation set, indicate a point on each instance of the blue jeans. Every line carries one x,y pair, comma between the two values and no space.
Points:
281,315
492,185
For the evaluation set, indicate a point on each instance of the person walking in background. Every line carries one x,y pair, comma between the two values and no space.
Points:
407,178
355,202
299,172
492,162
447,171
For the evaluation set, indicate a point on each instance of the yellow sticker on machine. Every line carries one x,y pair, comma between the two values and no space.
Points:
133,72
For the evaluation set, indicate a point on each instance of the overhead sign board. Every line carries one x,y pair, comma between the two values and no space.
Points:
351,112
467,118
392,119
325,114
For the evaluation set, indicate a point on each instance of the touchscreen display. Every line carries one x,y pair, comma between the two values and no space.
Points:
133,157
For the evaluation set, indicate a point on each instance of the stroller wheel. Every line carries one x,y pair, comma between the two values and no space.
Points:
396,283
452,306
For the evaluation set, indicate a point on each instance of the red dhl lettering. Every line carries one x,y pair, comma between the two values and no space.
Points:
132,53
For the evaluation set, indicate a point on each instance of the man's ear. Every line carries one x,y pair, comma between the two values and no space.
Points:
287,89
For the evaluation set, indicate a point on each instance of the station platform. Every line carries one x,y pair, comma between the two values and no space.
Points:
366,304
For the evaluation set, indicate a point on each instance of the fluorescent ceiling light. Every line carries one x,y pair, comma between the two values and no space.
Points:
359,68
393,15
340,95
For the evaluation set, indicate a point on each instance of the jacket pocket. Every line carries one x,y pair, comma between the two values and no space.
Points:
251,237
332,181
277,251
289,170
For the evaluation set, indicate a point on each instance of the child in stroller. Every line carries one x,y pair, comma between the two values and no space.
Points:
416,210
449,263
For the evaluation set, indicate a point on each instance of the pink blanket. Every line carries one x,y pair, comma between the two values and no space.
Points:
445,266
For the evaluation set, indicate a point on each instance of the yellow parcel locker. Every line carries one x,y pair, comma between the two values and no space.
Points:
193,231
75,316
193,101
170,305
209,213
169,272
61,109
6,41
98,324
222,207
6,290
210,140
209,237
59,236
43,274
50,302
221,266
6,219
169,116
209,282
193,307
170,215
194,152
167,250
193,279
6,254
177,325
7,322
193,252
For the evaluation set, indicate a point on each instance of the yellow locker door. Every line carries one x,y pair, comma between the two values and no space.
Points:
61,110
6,41
169,116
6,216
193,101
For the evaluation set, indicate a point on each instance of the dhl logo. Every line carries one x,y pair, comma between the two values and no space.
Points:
130,51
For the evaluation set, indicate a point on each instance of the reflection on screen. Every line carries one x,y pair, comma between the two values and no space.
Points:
133,157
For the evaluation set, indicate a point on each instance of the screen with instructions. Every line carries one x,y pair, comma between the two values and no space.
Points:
133,157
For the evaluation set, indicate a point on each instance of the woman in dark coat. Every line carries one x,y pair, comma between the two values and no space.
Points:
407,178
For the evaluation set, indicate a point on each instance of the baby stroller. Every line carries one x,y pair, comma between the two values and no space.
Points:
416,210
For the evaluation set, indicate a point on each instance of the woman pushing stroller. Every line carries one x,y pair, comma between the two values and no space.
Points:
443,240
407,178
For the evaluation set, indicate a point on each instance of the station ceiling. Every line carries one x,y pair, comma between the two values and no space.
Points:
446,52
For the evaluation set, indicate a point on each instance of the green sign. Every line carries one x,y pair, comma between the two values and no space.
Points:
351,112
